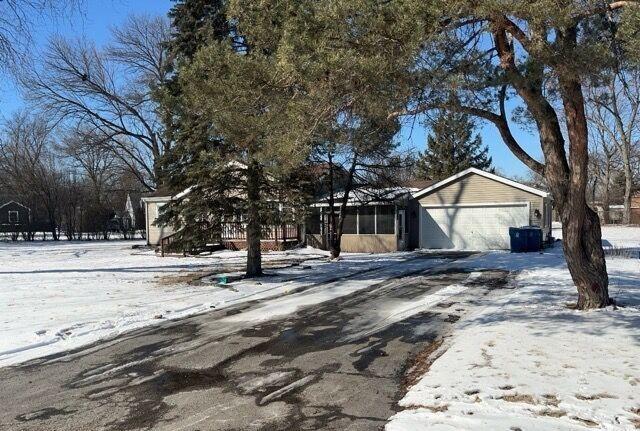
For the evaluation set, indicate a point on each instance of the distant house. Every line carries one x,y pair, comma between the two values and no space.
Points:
472,210
635,209
14,217
616,212
132,218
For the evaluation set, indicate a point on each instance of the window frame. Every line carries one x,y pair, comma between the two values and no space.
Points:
17,214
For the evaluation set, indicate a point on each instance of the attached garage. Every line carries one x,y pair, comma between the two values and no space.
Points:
474,210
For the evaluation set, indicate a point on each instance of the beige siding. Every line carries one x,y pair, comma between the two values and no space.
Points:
476,189
352,243
369,243
155,233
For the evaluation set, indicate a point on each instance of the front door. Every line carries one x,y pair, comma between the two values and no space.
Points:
401,230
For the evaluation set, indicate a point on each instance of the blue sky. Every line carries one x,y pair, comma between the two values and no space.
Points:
98,16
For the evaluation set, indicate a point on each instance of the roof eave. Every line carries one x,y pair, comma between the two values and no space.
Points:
494,177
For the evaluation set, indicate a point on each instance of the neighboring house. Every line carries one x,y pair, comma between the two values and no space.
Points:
14,216
616,213
635,209
133,212
472,210
152,206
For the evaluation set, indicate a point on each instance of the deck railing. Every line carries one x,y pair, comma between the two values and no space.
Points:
232,231
237,231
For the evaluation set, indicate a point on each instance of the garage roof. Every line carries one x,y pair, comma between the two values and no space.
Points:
476,171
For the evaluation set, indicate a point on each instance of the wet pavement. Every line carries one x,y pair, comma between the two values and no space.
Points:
337,365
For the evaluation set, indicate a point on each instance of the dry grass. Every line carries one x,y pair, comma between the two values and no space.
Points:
434,409
420,364
519,398
636,421
594,396
554,413
586,422
191,277
551,400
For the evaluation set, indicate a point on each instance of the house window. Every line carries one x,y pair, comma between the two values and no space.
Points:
385,222
313,221
14,216
350,225
367,220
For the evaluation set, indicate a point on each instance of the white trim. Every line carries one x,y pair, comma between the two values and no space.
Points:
17,213
146,217
156,199
17,203
420,226
481,173
482,204
355,204
375,220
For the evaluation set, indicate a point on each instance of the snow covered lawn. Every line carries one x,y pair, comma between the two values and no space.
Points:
529,362
59,296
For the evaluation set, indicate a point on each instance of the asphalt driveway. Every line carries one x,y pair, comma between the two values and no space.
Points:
338,365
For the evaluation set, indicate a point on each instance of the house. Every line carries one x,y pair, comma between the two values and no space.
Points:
635,209
375,221
472,210
14,217
133,212
616,212
233,232
152,206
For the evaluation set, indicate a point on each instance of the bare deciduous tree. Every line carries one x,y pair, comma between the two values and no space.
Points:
16,21
615,114
110,92
31,169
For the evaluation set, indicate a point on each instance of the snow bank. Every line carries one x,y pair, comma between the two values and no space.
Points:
528,362
59,296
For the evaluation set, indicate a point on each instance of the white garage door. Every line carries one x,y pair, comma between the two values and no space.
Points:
471,227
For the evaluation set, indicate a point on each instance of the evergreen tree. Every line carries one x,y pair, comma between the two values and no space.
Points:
195,161
225,96
452,147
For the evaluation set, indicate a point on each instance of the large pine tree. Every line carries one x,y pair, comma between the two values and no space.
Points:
451,148
225,96
198,148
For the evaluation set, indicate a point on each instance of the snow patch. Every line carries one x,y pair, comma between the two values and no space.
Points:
528,361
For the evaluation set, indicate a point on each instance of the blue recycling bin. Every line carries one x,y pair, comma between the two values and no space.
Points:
525,239
518,240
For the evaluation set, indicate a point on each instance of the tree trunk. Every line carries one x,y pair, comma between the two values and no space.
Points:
334,247
628,185
606,198
333,239
565,176
585,257
582,237
254,223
